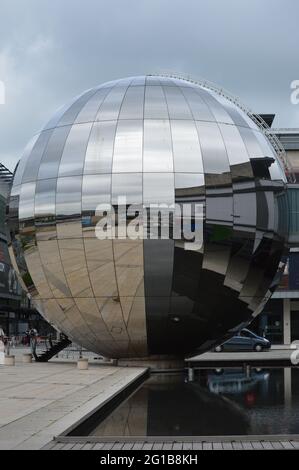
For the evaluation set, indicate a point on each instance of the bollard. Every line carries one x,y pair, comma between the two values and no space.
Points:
27,358
9,360
2,357
190,374
82,363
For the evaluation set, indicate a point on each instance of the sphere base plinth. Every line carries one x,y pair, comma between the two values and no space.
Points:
159,363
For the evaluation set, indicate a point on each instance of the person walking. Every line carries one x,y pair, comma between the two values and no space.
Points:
27,337
33,340
2,345
13,341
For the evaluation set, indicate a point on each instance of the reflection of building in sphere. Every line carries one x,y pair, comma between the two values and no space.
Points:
10,293
154,140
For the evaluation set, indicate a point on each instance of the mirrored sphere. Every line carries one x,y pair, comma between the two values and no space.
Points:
136,143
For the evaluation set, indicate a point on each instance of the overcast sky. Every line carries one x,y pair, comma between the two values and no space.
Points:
51,50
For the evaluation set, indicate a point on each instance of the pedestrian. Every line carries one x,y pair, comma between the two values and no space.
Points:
27,337
13,341
2,334
33,340
2,345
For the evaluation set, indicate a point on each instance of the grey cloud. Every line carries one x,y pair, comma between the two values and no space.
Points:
53,50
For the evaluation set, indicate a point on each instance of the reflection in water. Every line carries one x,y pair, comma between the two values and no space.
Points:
223,402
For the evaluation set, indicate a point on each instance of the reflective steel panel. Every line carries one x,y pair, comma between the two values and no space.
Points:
51,157
73,156
128,147
100,148
157,151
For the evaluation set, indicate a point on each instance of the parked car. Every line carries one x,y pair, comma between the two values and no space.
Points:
245,340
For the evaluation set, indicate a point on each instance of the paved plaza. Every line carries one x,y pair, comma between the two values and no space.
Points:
40,401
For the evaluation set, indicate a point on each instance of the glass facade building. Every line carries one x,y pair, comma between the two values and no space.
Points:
279,320
16,314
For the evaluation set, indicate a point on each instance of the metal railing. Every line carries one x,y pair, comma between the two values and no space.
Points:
23,342
282,130
257,119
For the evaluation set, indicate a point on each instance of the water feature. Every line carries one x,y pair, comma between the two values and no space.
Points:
230,401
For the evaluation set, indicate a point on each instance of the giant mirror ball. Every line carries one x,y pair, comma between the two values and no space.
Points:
154,140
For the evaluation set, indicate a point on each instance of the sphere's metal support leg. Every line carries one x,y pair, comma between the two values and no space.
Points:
247,370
